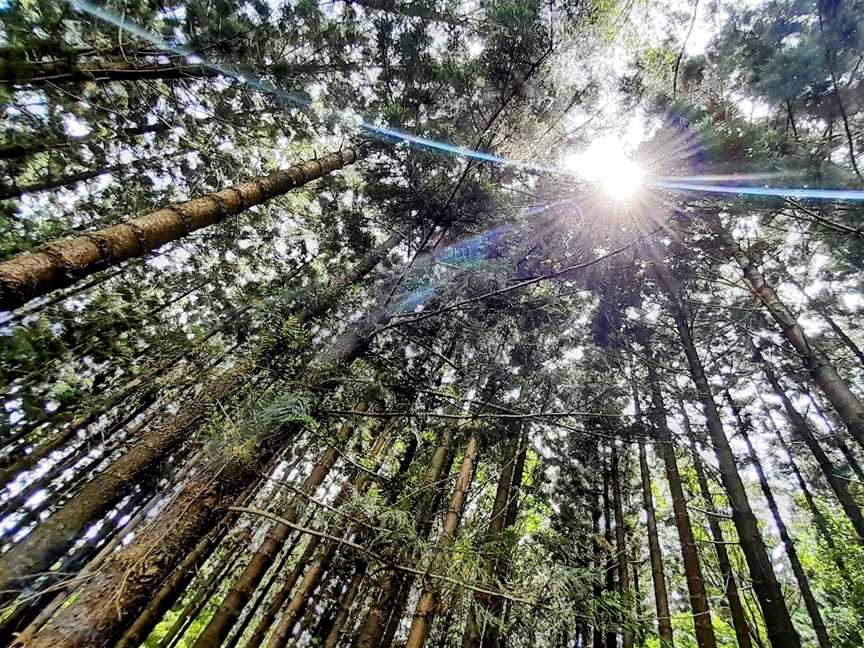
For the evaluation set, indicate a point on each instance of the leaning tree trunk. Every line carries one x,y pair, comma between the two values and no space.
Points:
495,637
65,261
689,553
818,516
810,601
848,406
50,539
345,603
428,602
235,601
733,599
781,631
803,432
269,616
373,627
661,598
11,151
110,600
43,73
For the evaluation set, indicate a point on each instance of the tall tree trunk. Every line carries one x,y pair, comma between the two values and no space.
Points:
426,605
497,520
15,191
495,637
689,553
848,406
818,517
733,599
134,572
620,539
661,598
50,539
13,151
65,261
345,603
810,602
374,623
598,581
781,631
611,637
171,587
38,74
226,615
804,433
267,619
196,604
240,630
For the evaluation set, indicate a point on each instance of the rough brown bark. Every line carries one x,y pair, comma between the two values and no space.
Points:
497,520
661,598
848,406
267,619
425,609
804,433
62,262
810,602
111,600
689,553
781,631
48,541
373,627
345,603
736,610
223,619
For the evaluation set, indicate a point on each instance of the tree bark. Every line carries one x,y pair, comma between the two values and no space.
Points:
389,584
111,599
497,520
39,74
267,619
733,599
65,261
226,615
49,540
781,631
805,434
848,406
818,517
689,553
345,603
810,602
620,539
611,638
661,598
428,602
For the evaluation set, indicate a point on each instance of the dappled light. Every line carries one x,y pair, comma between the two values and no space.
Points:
431,324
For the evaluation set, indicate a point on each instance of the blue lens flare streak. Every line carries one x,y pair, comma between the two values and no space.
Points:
776,192
302,101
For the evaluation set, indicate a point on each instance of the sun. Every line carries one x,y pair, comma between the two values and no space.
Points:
606,164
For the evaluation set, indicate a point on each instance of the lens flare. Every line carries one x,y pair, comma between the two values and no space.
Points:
606,164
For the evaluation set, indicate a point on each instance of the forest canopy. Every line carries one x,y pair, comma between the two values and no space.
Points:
426,323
